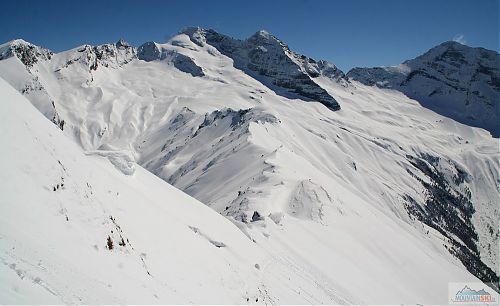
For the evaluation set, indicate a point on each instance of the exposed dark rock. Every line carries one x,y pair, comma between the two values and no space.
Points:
269,60
151,51
27,53
256,216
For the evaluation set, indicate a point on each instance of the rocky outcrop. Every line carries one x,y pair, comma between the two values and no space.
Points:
117,54
152,51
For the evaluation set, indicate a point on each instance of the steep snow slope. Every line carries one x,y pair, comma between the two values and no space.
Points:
452,79
445,174
60,210
321,191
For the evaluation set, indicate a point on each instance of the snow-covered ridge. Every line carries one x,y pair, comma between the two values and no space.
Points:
321,191
452,79
75,230
122,239
107,55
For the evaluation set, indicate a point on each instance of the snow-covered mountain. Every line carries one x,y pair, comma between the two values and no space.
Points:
345,189
452,79
269,60
74,230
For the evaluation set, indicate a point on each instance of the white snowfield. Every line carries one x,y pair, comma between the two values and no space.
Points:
295,203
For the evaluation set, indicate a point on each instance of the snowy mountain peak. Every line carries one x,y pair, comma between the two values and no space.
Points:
458,54
115,55
197,35
263,36
270,61
15,42
263,33
452,45
148,51
121,43
455,80
28,53
192,31
262,56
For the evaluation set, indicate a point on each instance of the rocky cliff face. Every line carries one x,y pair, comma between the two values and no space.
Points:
271,61
452,79
152,51
26,52
107,55
117,54
448,209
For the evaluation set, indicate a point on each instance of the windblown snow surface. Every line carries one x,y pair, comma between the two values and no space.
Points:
382,201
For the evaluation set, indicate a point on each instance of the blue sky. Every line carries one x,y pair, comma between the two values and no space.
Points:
347,33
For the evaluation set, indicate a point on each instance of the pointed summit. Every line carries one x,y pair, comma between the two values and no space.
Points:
149,51
191,30
199,35
121,43
264,37
263,33
28,53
